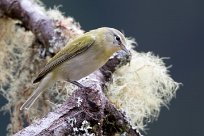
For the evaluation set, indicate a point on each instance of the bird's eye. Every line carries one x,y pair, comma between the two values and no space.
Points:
117,38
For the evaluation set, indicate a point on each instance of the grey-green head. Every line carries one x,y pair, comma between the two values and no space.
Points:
115,38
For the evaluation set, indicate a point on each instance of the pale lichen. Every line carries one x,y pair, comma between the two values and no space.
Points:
86,127
20,63
16,67
142,87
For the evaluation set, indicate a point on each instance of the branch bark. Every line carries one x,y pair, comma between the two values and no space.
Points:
33,19
85,107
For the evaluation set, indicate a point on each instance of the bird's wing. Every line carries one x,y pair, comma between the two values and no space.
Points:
71,50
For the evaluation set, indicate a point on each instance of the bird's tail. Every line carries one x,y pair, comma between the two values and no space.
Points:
44,84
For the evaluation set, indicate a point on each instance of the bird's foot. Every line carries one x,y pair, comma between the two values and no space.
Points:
78,84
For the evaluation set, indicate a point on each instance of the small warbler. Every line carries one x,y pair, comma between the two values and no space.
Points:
79,58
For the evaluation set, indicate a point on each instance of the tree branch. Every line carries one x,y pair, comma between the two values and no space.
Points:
33,19
87,110
85,104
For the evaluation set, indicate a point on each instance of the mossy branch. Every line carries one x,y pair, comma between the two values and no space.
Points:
34,19
89,105
85,107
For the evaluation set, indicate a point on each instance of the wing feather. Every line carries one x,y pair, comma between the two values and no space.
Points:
71,50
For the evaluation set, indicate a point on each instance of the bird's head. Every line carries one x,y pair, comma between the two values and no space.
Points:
115,39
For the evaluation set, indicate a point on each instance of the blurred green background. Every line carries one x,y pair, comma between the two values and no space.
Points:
169,28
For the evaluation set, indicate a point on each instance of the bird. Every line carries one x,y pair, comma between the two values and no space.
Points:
79,58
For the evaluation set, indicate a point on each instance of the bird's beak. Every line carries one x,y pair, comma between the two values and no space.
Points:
125,49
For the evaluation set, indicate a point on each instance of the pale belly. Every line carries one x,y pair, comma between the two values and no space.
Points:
80,66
